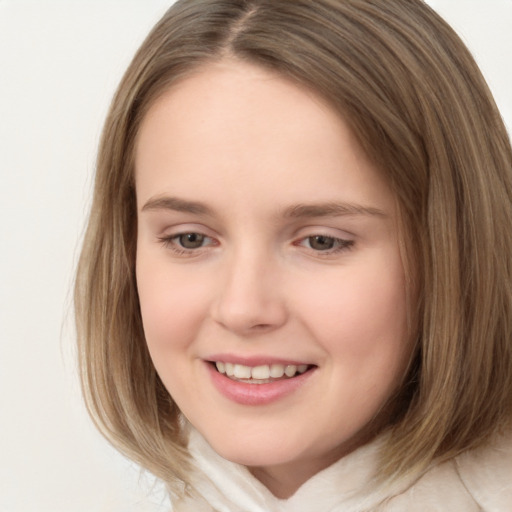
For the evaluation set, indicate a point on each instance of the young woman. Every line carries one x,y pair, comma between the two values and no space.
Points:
295,287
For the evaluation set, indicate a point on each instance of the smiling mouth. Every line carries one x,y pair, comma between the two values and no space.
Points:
263,374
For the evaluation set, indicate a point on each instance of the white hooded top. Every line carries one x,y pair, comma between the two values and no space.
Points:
475,481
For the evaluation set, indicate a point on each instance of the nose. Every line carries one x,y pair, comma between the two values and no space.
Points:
250,297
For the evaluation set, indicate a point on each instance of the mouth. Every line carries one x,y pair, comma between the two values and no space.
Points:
260,381
261,374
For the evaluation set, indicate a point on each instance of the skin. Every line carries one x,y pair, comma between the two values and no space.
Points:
248,146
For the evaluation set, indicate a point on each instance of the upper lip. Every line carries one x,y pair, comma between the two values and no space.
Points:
253,361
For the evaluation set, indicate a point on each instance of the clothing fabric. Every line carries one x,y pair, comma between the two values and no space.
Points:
476,481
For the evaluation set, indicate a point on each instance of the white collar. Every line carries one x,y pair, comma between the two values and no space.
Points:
344,486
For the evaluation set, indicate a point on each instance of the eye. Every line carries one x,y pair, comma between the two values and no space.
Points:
321,243
326,244
188,243
190,240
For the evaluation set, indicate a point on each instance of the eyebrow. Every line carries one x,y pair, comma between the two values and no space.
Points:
178,205
298,211
331,210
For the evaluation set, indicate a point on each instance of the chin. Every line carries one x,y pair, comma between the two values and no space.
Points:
250,451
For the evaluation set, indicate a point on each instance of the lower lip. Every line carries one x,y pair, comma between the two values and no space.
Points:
256,394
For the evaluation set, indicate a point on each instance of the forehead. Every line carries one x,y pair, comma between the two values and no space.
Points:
212,98
241,124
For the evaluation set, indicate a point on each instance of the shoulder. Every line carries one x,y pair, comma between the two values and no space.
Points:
476,481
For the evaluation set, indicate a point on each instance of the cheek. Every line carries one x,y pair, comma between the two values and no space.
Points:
172,305
360,315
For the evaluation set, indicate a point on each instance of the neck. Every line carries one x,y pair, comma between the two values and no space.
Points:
283,480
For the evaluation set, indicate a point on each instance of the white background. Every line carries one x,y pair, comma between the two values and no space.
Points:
60,62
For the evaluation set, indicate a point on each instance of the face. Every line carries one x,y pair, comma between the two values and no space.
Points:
268,269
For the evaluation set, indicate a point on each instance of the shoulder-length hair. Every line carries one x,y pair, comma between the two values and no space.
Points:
420,108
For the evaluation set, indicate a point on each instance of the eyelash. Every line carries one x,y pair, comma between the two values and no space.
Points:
172,242
340,244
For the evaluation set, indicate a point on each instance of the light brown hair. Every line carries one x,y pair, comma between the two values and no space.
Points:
419,106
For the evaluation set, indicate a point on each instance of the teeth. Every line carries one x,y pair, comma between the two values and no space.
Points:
230,369
242,372
263,372
276,371
290,370
260,372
